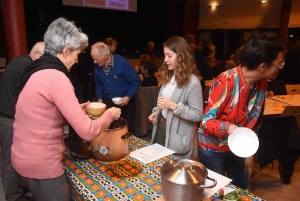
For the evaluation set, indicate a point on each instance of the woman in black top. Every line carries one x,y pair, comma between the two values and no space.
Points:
148,70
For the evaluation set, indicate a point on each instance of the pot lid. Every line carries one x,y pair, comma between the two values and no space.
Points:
184,172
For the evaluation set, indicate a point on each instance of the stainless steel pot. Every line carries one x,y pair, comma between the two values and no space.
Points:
113,143
184,180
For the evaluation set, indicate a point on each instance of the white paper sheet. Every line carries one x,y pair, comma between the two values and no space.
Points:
221,183
151,153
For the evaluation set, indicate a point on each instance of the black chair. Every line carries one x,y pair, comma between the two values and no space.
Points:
278,87
279,138
269,134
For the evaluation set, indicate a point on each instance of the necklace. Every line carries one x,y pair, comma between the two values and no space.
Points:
173,81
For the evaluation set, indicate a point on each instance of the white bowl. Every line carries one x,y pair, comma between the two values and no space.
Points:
117,100
243,142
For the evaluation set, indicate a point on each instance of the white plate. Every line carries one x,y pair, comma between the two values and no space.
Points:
243,142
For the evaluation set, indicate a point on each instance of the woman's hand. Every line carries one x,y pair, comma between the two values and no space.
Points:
153,118
231,128
82,105
249,165
165,103
116,112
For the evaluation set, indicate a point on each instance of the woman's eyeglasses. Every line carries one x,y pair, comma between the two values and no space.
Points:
280,64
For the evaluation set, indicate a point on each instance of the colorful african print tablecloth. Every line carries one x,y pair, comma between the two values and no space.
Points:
127,180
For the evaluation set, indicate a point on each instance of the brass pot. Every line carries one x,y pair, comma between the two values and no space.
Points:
113,143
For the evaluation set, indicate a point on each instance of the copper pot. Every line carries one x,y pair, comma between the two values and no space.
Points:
113,143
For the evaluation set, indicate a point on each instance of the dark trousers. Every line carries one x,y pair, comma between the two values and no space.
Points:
160,137
220,162
11,179
127,111
55,189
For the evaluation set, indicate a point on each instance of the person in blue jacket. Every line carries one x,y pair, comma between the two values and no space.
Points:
115,77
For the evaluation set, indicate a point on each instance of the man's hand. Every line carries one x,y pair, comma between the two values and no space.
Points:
124,101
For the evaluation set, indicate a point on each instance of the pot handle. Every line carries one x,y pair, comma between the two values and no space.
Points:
211,186
127,135
184,160
156,167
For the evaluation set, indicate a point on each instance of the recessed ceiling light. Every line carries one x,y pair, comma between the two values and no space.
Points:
264,1
213,7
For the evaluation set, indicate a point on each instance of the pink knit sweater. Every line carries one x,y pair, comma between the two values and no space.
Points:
44,104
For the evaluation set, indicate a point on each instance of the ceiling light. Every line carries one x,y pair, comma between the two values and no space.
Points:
264,1
213,7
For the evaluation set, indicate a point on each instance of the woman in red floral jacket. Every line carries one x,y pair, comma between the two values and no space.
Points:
236,99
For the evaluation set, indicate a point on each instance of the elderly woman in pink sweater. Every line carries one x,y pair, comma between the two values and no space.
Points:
45,102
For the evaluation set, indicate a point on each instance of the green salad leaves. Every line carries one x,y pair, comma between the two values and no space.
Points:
236,194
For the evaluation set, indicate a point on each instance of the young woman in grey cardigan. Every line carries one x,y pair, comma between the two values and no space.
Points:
180,103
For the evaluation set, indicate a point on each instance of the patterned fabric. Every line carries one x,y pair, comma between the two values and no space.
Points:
229,103
109,65
128,180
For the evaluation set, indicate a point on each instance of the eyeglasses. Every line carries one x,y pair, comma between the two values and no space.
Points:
40,52
280,64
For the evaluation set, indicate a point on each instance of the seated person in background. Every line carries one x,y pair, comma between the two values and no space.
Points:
149,50
148,70
143,58
229,64
291,72
111,43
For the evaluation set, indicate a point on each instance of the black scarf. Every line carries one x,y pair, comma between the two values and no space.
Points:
47,61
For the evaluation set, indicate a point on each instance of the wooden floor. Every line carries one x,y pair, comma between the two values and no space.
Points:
265,183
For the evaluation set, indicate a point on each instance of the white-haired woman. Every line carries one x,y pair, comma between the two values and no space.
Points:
45,102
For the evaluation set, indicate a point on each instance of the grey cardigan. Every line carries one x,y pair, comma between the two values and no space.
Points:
180,126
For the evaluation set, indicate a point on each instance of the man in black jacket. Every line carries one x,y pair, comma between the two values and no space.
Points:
9,94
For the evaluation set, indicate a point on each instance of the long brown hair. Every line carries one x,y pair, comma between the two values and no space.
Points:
185,65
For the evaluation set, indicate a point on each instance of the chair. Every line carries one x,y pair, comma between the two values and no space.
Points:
146,100
293,89
268,137
279,137
278,87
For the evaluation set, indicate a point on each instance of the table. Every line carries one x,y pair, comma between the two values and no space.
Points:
91,180
88,179
275,105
